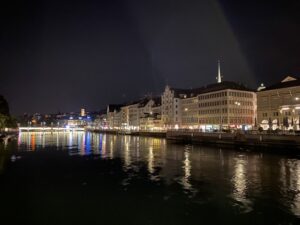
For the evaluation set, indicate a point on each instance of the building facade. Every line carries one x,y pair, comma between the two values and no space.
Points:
278,106
224,105
150,115
113,116
171,107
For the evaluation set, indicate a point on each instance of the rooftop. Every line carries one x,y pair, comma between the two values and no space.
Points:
210,88
288,81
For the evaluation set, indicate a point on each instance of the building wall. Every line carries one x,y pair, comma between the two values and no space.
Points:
277,104
170,110
147,108
150,116
124,117
221,109
167,101
190,112
133,116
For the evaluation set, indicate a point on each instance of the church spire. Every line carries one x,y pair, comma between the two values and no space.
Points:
219,78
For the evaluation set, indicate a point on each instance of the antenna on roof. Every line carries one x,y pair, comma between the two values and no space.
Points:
219,77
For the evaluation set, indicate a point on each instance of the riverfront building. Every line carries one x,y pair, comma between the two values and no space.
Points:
143,114
224,105
150,115
113,116
171,106
278,106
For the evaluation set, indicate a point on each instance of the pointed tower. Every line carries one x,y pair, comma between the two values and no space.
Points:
219,78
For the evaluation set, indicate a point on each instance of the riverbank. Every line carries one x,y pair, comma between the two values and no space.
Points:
283,143
8,136
134,133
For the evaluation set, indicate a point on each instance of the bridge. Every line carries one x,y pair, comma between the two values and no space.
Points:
51,129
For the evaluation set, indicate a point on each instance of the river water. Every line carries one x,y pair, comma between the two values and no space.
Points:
89,178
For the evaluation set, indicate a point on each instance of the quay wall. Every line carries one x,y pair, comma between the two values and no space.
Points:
137,133
237,139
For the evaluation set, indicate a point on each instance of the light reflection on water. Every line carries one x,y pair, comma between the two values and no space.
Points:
244,177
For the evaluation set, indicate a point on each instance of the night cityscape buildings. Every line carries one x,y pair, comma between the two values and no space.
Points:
221,106
278,106
224,105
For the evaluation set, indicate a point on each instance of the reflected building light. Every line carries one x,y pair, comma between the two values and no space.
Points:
82,149
100,144
295,186
43,140
32,141
57,140
88,144
20,138
29,141
150,160
187,171
95,144
127,159
70,140
138,150
103,145
239,180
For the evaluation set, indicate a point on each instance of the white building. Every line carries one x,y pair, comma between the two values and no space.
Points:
278,105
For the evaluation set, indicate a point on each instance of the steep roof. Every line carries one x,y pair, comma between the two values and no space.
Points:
288,81
157,101
143,102
113,107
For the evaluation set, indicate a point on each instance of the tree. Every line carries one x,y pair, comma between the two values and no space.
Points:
4,109
3,121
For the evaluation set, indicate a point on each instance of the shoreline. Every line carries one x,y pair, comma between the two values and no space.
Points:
259,142
283,143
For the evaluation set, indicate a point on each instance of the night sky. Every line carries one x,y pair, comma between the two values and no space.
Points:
61,56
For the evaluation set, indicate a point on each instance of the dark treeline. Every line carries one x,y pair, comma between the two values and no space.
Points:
6,120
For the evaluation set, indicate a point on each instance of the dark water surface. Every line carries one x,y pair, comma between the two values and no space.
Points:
87,178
